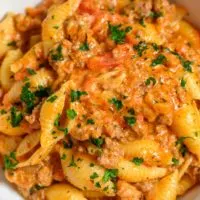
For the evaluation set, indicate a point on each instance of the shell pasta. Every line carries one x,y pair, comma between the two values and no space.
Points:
99,100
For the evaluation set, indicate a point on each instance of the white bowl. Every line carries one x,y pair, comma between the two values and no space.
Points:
8,193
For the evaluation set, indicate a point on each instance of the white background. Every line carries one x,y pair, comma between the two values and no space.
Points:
6,193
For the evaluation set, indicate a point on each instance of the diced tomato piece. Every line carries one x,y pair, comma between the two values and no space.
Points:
88,6
99,63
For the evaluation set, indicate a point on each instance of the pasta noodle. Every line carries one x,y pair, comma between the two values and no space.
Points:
99,100
149,150
166,188
129,172
77,173
186,124
63,191
6,74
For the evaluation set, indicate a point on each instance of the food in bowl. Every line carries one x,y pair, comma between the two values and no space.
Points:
100,99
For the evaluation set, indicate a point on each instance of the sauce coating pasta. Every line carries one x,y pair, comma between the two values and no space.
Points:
100,100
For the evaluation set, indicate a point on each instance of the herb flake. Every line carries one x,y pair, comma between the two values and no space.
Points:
117,34
138,161
117,103
16,117
71,113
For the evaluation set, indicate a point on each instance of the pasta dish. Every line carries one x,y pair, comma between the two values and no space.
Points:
100,100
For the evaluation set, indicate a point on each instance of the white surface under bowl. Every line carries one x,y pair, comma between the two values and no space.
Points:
8,193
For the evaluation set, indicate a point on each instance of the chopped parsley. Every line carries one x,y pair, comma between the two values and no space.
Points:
84,47
52,98
161,59
97,184
110,174
76,95
130,120
182,148
155,46
90,121
56,27
138,161
140,48
68,145
35,188
12,44
57,120
31,71
94,176
2,112
185,63
117,103
99,142
117,34
91,164
42,91
141,22
149,80
10,161
57,55
57,125
71,113
131,111
181,140
175,161
16,117
63,157
155,15
183,83
28,97
72,163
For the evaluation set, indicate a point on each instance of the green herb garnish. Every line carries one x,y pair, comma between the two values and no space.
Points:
90,121
99,142
117,103
155,15
97,184
72,163
138,161
10,161
56,27
175,161
2,112
63,157
35,188
131,111
16,117
155,46
141,22
76,95
71,113
84,47
12,44
52,98
161,59
130,120
117,34
150,80
31,71
140,48
28,97
57,120
42,91
183,83
57,55
110,174
94,176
